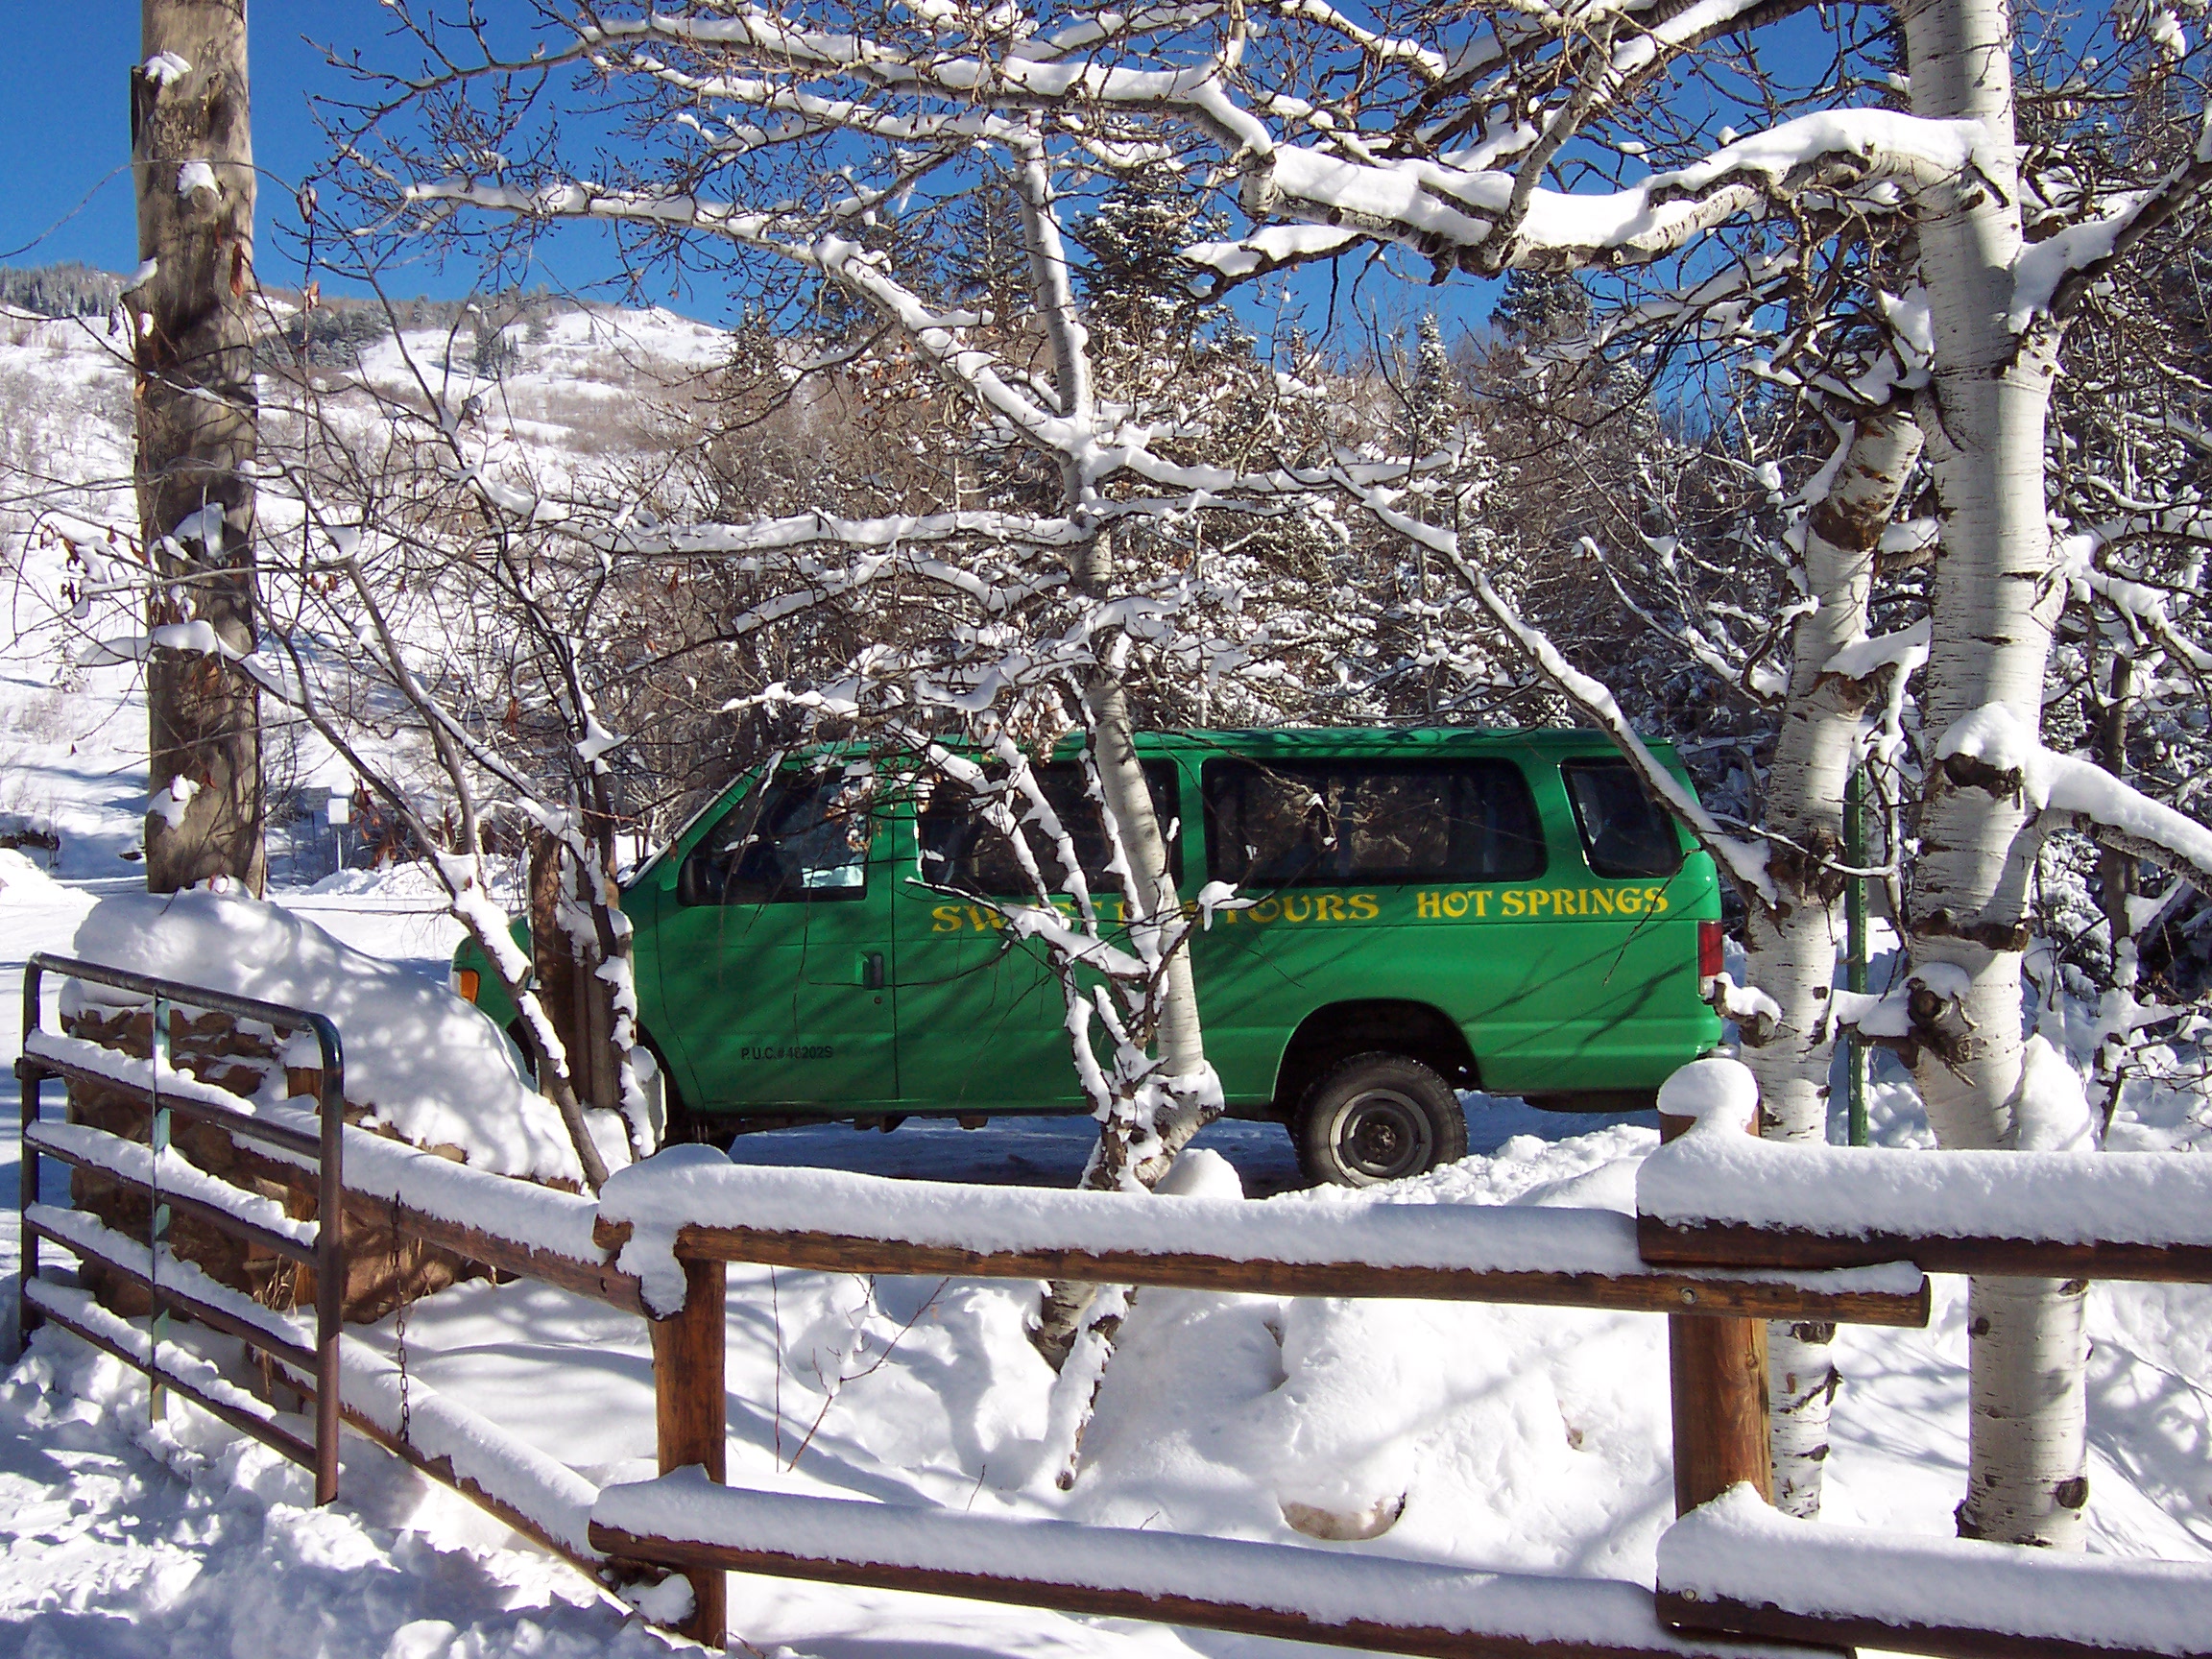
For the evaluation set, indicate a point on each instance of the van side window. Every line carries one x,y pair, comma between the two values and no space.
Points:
1624,832
960,850
807,842
1337,824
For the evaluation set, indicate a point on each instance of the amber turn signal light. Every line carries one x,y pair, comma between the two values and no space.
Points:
467,982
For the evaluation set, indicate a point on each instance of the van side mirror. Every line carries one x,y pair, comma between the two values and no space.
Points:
691,882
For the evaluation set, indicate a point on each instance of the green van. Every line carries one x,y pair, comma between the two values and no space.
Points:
1428,911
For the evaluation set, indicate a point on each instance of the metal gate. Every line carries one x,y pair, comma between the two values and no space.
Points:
173,1185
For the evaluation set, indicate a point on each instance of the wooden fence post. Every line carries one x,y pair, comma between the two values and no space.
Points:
690,1418
1716,1375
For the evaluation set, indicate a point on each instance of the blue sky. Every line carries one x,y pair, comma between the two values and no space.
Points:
65,136
65,133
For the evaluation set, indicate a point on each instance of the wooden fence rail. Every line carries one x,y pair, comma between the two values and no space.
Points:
1252,1588
1737,1565
689,1522
1720,1200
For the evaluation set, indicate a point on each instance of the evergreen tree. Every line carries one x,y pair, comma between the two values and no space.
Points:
1542,305
1138,282
1429,396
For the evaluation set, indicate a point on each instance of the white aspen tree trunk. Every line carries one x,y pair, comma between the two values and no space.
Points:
1993,606
1792,940
1065,1312
1157,905
1154,901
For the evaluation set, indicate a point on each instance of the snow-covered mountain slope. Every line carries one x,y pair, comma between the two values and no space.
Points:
570,392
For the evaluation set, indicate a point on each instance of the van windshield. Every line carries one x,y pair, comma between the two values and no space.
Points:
1334,823
1624,832
960,849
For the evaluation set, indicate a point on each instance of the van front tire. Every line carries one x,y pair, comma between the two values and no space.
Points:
1379,1117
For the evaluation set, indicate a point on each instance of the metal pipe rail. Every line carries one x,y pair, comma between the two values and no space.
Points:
326,1254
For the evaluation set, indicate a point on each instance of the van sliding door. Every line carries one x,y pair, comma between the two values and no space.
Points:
982,1017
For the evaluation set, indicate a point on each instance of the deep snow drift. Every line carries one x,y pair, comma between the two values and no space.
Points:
418,1057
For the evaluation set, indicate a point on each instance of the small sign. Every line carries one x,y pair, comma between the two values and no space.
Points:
341,808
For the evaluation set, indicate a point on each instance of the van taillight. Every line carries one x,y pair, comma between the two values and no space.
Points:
1710,964
468,980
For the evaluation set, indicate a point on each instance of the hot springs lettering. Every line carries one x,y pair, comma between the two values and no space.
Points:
1528,903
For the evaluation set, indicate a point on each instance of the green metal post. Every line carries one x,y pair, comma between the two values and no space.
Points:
1855,946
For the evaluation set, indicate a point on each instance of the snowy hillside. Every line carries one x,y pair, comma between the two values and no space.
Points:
574,393
1526,1439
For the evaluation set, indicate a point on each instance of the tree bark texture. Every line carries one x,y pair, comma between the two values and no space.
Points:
192,157
1793,942
559,989
580,1003
1154,903
1993,606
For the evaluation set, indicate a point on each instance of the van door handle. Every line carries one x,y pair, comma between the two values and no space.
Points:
873,977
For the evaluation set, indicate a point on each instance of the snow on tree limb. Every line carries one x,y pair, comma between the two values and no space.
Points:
2051,277
1991,745
1440,210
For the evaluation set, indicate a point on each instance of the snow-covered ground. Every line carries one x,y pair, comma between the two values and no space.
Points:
1524,1438
1518,1438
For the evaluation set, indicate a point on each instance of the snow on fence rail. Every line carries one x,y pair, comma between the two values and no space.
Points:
703,1208
1715,1198
1738,1565
1257,1589
679,1219
513,1226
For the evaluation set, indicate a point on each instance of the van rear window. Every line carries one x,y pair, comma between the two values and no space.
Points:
960,850
1624,832
1337,824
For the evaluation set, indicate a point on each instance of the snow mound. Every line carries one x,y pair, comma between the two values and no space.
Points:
1718,1088
23,880
418,1057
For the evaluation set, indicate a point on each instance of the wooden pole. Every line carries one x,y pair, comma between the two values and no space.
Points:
690,1418
1717,1376
192,155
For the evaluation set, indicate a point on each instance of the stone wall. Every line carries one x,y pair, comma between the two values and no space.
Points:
382,1270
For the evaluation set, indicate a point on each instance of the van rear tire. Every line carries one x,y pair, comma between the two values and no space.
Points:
1379,1117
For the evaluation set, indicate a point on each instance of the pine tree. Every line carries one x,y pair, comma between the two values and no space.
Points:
1429,394
1539,307
1138,282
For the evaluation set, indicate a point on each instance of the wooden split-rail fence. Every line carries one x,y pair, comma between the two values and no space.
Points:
1734,1578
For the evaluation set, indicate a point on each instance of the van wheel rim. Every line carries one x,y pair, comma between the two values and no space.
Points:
1383,1135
